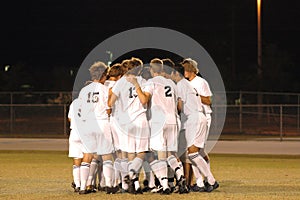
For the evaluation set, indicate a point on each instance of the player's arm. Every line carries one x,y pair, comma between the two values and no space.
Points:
205,100
109,107
112,100
179,105
143,96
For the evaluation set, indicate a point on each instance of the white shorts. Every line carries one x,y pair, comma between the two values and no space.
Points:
134,137
164,138
208,118
115,131
196,129
96,137
75,145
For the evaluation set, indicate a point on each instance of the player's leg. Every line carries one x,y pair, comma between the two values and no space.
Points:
195,133
200,163
84,171
149,179
108,173
117,169
76,173
92,174
75,152
199,185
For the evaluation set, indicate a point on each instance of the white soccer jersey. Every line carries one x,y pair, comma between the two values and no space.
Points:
94,101
203,89
189,97
109,83
163,99
129,106
73,110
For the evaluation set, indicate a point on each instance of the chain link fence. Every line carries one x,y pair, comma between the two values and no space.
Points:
44,114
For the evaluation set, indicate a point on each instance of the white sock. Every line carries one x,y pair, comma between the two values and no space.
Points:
93,167
76,175
108,172
102,182
124,172
170,176
118,169
84,173
201,164
149,174
134,167
172,161
198,176
160,169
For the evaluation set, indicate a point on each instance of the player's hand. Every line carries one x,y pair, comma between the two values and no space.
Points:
132,79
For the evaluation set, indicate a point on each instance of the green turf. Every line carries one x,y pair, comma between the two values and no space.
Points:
47,175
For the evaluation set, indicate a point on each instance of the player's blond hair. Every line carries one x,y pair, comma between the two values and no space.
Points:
156,65
97,70
190,65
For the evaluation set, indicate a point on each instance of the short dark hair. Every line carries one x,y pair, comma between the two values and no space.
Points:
168,65
115,70
179,68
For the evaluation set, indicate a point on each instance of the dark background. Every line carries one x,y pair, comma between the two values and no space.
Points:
44,42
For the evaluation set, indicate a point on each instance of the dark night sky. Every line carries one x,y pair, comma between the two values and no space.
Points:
49,33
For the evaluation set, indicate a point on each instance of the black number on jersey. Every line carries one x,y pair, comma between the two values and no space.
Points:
196,92
131,94
93,97
168,91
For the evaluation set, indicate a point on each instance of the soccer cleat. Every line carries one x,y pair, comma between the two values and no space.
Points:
216,185
196,188
77,189
138,191
166,191
90,189
157,189
209,188
111,190
73,185
176,189
82,192
146,183
182,186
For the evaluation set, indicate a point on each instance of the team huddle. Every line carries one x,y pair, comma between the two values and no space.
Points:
131,119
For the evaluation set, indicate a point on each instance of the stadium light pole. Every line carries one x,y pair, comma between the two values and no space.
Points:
259,60
259,45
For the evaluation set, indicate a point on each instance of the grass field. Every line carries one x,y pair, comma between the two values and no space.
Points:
47,175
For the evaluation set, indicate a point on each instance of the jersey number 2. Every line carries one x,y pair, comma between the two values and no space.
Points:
168,91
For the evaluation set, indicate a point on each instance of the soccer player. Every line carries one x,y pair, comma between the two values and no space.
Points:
164,127
132,120
115,73
75,144
202,88
94,127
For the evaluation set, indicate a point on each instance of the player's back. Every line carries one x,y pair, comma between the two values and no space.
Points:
94,100
163,99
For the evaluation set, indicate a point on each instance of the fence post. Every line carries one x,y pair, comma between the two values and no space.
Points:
11,114
280,122
241,113
65,119
298,113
